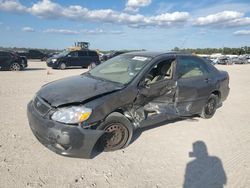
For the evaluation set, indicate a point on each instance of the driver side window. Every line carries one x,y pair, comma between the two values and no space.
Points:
73,54
161,71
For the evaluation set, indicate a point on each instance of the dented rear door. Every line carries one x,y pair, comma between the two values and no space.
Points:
194,85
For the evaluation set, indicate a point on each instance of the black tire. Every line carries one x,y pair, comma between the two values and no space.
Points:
15,67
118,132
62,66
210,107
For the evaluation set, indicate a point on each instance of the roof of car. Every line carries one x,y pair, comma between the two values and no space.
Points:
154,54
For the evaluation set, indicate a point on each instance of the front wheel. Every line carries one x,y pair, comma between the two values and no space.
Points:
62,66
210,107
118,132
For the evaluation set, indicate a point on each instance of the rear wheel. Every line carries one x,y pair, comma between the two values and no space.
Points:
118,132
210,107
15,67
62,66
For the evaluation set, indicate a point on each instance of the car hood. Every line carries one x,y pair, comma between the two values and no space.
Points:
57,56
75,89
53,57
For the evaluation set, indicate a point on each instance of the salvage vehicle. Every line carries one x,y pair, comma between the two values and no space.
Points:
224,61
12,61
80,58
240,60
106,104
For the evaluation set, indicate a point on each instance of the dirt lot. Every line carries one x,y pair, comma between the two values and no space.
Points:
157,158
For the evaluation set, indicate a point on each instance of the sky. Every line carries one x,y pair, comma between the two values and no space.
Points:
157,25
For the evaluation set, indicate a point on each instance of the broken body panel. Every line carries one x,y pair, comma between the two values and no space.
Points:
143,104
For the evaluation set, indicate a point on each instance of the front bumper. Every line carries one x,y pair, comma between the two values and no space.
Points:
66,140
50,64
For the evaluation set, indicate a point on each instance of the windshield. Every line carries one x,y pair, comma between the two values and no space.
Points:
121,69
62,54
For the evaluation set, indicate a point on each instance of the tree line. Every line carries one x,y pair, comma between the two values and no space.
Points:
44,50
225,50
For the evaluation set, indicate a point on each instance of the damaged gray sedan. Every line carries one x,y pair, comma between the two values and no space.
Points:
105,105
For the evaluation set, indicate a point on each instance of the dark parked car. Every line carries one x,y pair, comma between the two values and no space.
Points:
52,54
33,54
105,105
12,61
111,55
82,58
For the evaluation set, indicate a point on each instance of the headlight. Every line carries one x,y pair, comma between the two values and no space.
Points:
72,115
53,60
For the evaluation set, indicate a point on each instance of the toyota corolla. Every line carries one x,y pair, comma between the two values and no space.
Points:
105,105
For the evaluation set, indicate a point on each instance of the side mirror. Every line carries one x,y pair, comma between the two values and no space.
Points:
144,88
142,83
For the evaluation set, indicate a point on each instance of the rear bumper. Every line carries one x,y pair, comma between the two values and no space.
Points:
225,90
226,93
23,61
24,64
66,140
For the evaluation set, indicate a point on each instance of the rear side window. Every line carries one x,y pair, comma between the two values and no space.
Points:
191,67
82,53
4,54
91,53
35,52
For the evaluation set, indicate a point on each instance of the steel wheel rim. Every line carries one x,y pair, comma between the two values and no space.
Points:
116,134
15,67
210,106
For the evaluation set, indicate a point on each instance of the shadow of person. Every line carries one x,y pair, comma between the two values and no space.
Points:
204,171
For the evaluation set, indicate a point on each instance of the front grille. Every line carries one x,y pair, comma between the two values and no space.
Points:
41,106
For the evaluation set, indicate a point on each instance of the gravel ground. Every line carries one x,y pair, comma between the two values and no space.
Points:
158,157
